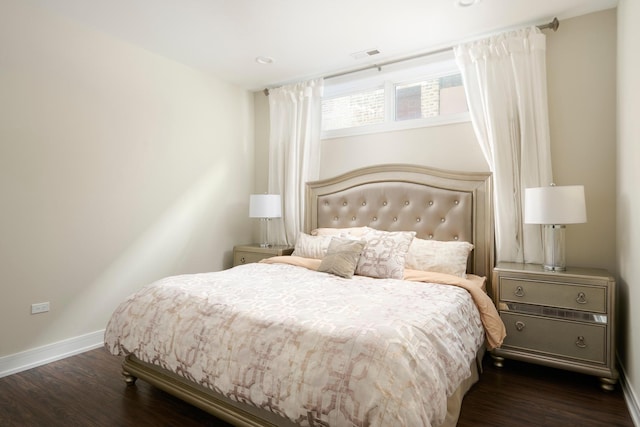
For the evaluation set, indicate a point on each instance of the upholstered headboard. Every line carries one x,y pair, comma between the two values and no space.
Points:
436,204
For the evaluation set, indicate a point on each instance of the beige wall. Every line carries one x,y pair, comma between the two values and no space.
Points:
117,167
447,147
581,81
628,193
452,147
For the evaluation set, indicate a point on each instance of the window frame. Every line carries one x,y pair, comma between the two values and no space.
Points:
434,66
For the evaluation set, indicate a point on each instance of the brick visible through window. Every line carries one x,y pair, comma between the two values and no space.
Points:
428,97
357,109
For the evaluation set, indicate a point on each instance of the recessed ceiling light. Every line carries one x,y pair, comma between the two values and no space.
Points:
264,60
466,3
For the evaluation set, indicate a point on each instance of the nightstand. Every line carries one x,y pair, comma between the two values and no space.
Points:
244,254
560,319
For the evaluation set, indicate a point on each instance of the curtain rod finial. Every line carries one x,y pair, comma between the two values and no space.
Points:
553,25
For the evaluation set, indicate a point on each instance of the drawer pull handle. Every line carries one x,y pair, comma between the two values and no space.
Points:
520,325
582,298
580,342
519,292
242,260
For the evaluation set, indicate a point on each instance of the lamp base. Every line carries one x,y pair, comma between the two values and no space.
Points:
554,247
554,268
264,233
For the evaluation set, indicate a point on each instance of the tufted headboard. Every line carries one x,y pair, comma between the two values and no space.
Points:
436,204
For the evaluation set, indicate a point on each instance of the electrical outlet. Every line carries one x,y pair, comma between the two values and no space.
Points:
41,307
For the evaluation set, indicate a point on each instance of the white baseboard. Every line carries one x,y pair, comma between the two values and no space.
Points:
630,397
28,359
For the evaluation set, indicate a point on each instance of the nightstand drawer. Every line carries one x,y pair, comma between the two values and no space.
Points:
248,257
561,295
245,254
555,337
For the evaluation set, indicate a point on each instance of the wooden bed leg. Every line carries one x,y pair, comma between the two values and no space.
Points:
128,378
498,361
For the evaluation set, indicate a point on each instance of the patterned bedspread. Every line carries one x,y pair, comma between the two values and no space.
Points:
312,347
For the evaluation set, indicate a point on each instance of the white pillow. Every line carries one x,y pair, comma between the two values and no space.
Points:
311,246
442,257
384,254
340,232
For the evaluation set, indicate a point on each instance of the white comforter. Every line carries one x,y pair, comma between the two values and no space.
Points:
312,347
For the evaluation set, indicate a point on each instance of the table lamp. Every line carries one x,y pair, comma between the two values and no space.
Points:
265,207
554,207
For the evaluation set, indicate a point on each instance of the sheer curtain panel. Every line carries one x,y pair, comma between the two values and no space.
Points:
506,86
294,151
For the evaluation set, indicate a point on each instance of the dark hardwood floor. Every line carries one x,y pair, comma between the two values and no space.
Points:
522,394
88,390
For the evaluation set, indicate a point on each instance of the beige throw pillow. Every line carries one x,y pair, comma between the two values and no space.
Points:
342,257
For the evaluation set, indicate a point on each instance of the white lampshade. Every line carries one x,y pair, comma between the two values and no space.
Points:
265,206
555,205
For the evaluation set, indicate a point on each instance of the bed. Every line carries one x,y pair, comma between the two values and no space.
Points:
297,341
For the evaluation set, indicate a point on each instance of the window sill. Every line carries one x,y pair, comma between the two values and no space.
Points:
399,125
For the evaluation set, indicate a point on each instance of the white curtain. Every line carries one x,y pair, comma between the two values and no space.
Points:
294,151
506,86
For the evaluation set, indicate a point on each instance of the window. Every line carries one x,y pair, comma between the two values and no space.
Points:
430,98
416,96
355,109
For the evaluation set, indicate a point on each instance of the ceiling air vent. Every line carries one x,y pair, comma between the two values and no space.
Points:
365,53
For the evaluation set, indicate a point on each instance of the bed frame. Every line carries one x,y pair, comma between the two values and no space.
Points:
437,204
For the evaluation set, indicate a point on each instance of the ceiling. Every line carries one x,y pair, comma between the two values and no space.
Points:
305,38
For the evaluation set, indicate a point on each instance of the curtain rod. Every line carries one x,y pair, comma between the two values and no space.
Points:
553,25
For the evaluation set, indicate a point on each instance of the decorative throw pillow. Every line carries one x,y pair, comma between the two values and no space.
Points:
442,257
311,246
342,257
385,253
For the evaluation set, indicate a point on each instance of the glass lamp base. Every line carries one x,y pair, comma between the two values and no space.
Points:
554,268
554,248
264,233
